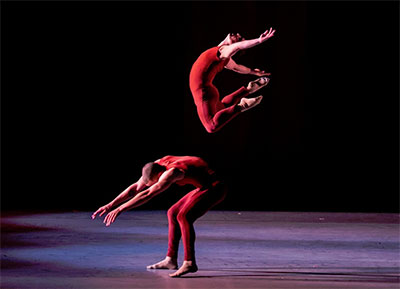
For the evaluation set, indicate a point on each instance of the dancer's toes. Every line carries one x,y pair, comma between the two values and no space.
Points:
257,84
247,103
187,267
167,263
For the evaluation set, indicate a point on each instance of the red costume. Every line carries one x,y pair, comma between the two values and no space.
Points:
181,216
213,113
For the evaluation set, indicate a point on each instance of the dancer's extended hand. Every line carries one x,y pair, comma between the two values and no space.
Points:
111,216
266,35
259,72
102,210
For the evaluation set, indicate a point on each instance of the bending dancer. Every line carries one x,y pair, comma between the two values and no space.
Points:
213,112
156,177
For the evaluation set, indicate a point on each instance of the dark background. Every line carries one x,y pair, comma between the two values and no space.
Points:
91,91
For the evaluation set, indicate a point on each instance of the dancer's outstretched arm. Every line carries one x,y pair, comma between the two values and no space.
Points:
229,50
166,179
127,194
232,65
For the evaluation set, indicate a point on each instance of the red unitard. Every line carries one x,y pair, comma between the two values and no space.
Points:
209,192
213,112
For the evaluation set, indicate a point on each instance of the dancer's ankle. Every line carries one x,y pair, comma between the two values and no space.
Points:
171,259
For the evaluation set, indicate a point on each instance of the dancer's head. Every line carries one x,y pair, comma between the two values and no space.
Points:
151,172
231,38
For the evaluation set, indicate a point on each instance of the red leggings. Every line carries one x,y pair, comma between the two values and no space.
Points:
213,113
185,212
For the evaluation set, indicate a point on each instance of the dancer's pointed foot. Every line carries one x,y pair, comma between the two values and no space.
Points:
167,263
257,84
187,267
247,103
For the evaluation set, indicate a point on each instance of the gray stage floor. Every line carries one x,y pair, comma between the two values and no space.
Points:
234,250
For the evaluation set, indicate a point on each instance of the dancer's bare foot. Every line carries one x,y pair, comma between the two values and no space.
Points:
247,103
187,267
167,263
257,84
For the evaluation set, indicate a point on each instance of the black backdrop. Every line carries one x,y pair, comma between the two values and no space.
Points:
93,90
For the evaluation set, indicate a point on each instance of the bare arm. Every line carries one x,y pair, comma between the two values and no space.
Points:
127,194
130,192
232,65
166,179
229,50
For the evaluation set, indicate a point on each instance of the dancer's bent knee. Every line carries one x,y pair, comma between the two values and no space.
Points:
183,218
172,213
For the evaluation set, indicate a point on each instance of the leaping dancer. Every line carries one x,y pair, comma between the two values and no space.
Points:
213,112
156,177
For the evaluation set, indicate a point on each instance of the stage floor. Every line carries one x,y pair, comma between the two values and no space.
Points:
234,250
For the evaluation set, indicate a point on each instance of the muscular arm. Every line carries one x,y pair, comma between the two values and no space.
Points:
232,65
229,50
127,194
166,179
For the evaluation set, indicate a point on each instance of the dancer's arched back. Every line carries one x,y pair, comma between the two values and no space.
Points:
213,112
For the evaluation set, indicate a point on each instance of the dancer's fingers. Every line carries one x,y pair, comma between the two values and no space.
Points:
111,220
95,213
264,33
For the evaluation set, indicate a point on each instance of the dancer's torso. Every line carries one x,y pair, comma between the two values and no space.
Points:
197,172
205,68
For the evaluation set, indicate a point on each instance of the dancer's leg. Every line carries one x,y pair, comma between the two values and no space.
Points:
235,97
213,114
174,230
252,87
174,236
199,202
214,122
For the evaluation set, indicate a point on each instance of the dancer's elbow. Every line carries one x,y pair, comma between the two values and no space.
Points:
211,129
